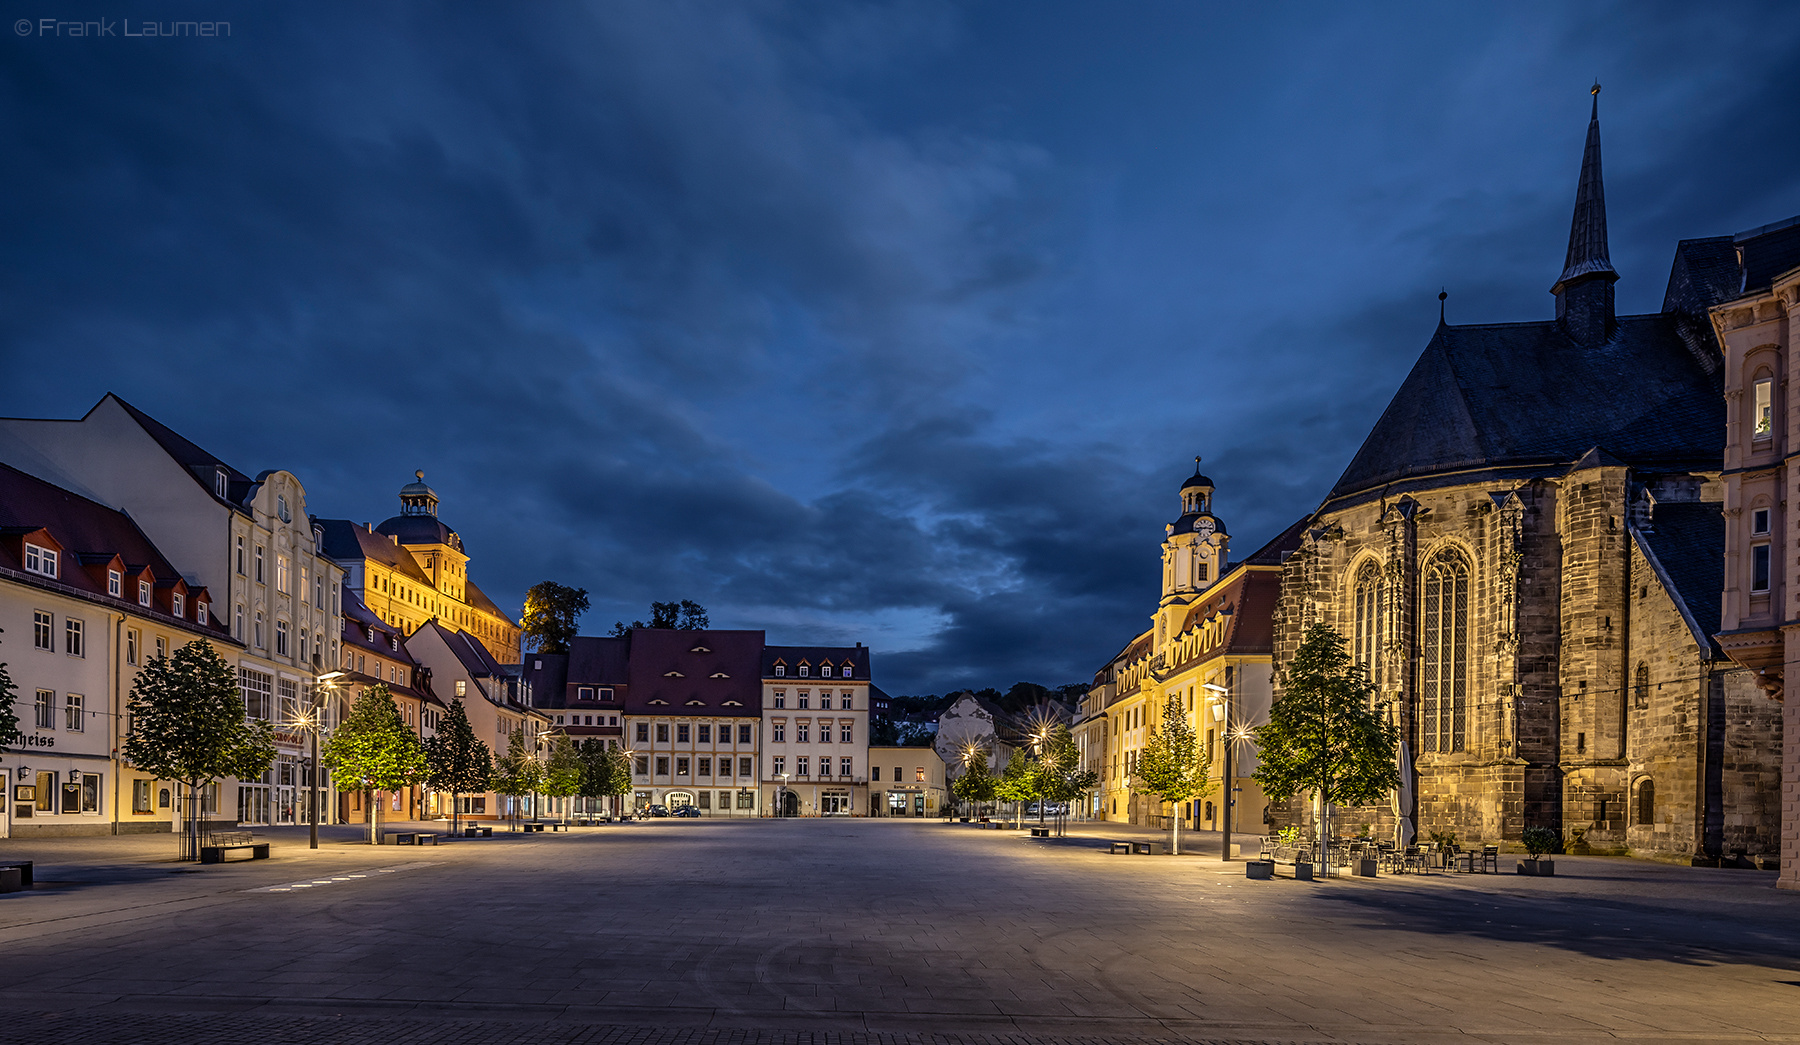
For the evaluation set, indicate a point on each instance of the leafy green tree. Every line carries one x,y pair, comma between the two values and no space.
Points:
552,612
563,770
10,733
1327,735
1061,776
976,784
686,614
518,772
1018,782
1173,765
458,762
606,771
375,748
188,725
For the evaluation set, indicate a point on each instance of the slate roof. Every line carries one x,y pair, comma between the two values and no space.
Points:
199,463
1279,547
479,599
792,656
1769,251
668,677
346,542
419,529
91,535
1525,394
1686,545
388,644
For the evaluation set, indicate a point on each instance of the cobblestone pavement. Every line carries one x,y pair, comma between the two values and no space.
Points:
821,932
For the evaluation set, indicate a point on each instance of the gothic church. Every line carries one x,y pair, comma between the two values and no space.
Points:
1526,556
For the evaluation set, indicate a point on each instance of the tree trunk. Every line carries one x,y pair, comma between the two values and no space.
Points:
374,818
1175,841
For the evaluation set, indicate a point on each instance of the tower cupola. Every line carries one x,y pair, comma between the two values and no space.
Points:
1196,493
418,499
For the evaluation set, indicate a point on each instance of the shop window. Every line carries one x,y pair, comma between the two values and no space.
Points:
140,796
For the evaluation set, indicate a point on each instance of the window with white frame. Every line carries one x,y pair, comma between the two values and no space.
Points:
219,486
845,766
258,691
162,647
72,712
131,645
778,731
40,560
780,764
281,574
41,636
259,564
780,670
46,709
800,766
240,556
1759,522
143,593
846,733
1764,416
115,584
584,693
804,670
281,638
780,699
178,604
74,638
258,636
200,615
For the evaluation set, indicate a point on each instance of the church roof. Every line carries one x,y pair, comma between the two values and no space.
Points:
1686,546
1587,254
1525,394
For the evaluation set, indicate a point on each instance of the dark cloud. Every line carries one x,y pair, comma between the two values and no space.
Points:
883,323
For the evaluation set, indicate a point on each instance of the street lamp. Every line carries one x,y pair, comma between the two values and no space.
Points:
315,721
1222,714
781,795
970,752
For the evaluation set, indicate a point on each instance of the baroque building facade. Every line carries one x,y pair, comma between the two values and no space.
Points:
1525,556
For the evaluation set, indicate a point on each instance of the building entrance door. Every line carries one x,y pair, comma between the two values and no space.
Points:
678,800
834,805
790,804
896,803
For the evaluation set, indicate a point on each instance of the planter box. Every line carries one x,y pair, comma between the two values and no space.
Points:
1540,867
1303,872
1261,870
1365,868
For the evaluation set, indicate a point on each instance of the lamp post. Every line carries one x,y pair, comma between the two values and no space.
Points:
316,722
781,795
969,753
1222,714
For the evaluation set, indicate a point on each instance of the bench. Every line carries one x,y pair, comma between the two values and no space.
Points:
530,828
214,848
412,838
559,827
1040,832
19,869
478,832
1147,848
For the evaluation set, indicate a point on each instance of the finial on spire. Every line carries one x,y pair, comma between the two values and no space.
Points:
420,475
1443,296
1584,298
1196,462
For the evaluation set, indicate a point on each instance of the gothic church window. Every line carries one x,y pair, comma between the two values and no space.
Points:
1368,626
1645,807
1641,686
1444,660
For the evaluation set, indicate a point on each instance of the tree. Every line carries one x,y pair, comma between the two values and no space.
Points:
563,770
551,613
457,761
518,773
686,615
1018,782
1062,777
1327,735
977,784
188,725
376,749
10,733
1173,766
606,771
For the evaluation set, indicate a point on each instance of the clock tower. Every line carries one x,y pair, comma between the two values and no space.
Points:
1195,548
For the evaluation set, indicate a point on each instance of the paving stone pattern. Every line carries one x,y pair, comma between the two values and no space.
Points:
819,932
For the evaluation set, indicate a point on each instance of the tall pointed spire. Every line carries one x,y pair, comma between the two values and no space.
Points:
1584,293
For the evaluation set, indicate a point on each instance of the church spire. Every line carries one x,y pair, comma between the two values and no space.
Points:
1584,291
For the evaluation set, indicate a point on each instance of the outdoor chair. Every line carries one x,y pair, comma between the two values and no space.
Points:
1490,859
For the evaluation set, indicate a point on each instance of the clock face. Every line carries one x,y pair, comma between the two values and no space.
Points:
1204,526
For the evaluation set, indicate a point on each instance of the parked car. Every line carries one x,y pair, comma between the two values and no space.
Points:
687,813
653,811
1052,809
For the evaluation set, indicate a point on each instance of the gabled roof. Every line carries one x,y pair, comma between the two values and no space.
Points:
1685,545
479,599
199,463
346,542
90,534
1279,547
655,652
856,656
1525,394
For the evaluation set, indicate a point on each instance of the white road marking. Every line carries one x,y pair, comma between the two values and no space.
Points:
348,876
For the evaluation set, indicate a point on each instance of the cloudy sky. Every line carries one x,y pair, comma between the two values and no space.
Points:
892,323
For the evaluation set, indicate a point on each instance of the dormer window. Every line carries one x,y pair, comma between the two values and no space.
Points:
584,693
115,583
824,671
200,614
804,671
220,483
369,632
281,509
178,604
143,593
781,671
40,560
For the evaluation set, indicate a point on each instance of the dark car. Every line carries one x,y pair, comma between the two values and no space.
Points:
649,812
687,812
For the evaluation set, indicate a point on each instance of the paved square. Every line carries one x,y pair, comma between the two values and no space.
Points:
860,930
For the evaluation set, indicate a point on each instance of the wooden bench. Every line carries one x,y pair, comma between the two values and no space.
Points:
214,847
531,828
413,838
478,832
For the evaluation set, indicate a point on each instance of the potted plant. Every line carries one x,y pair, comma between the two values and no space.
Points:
1538,842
